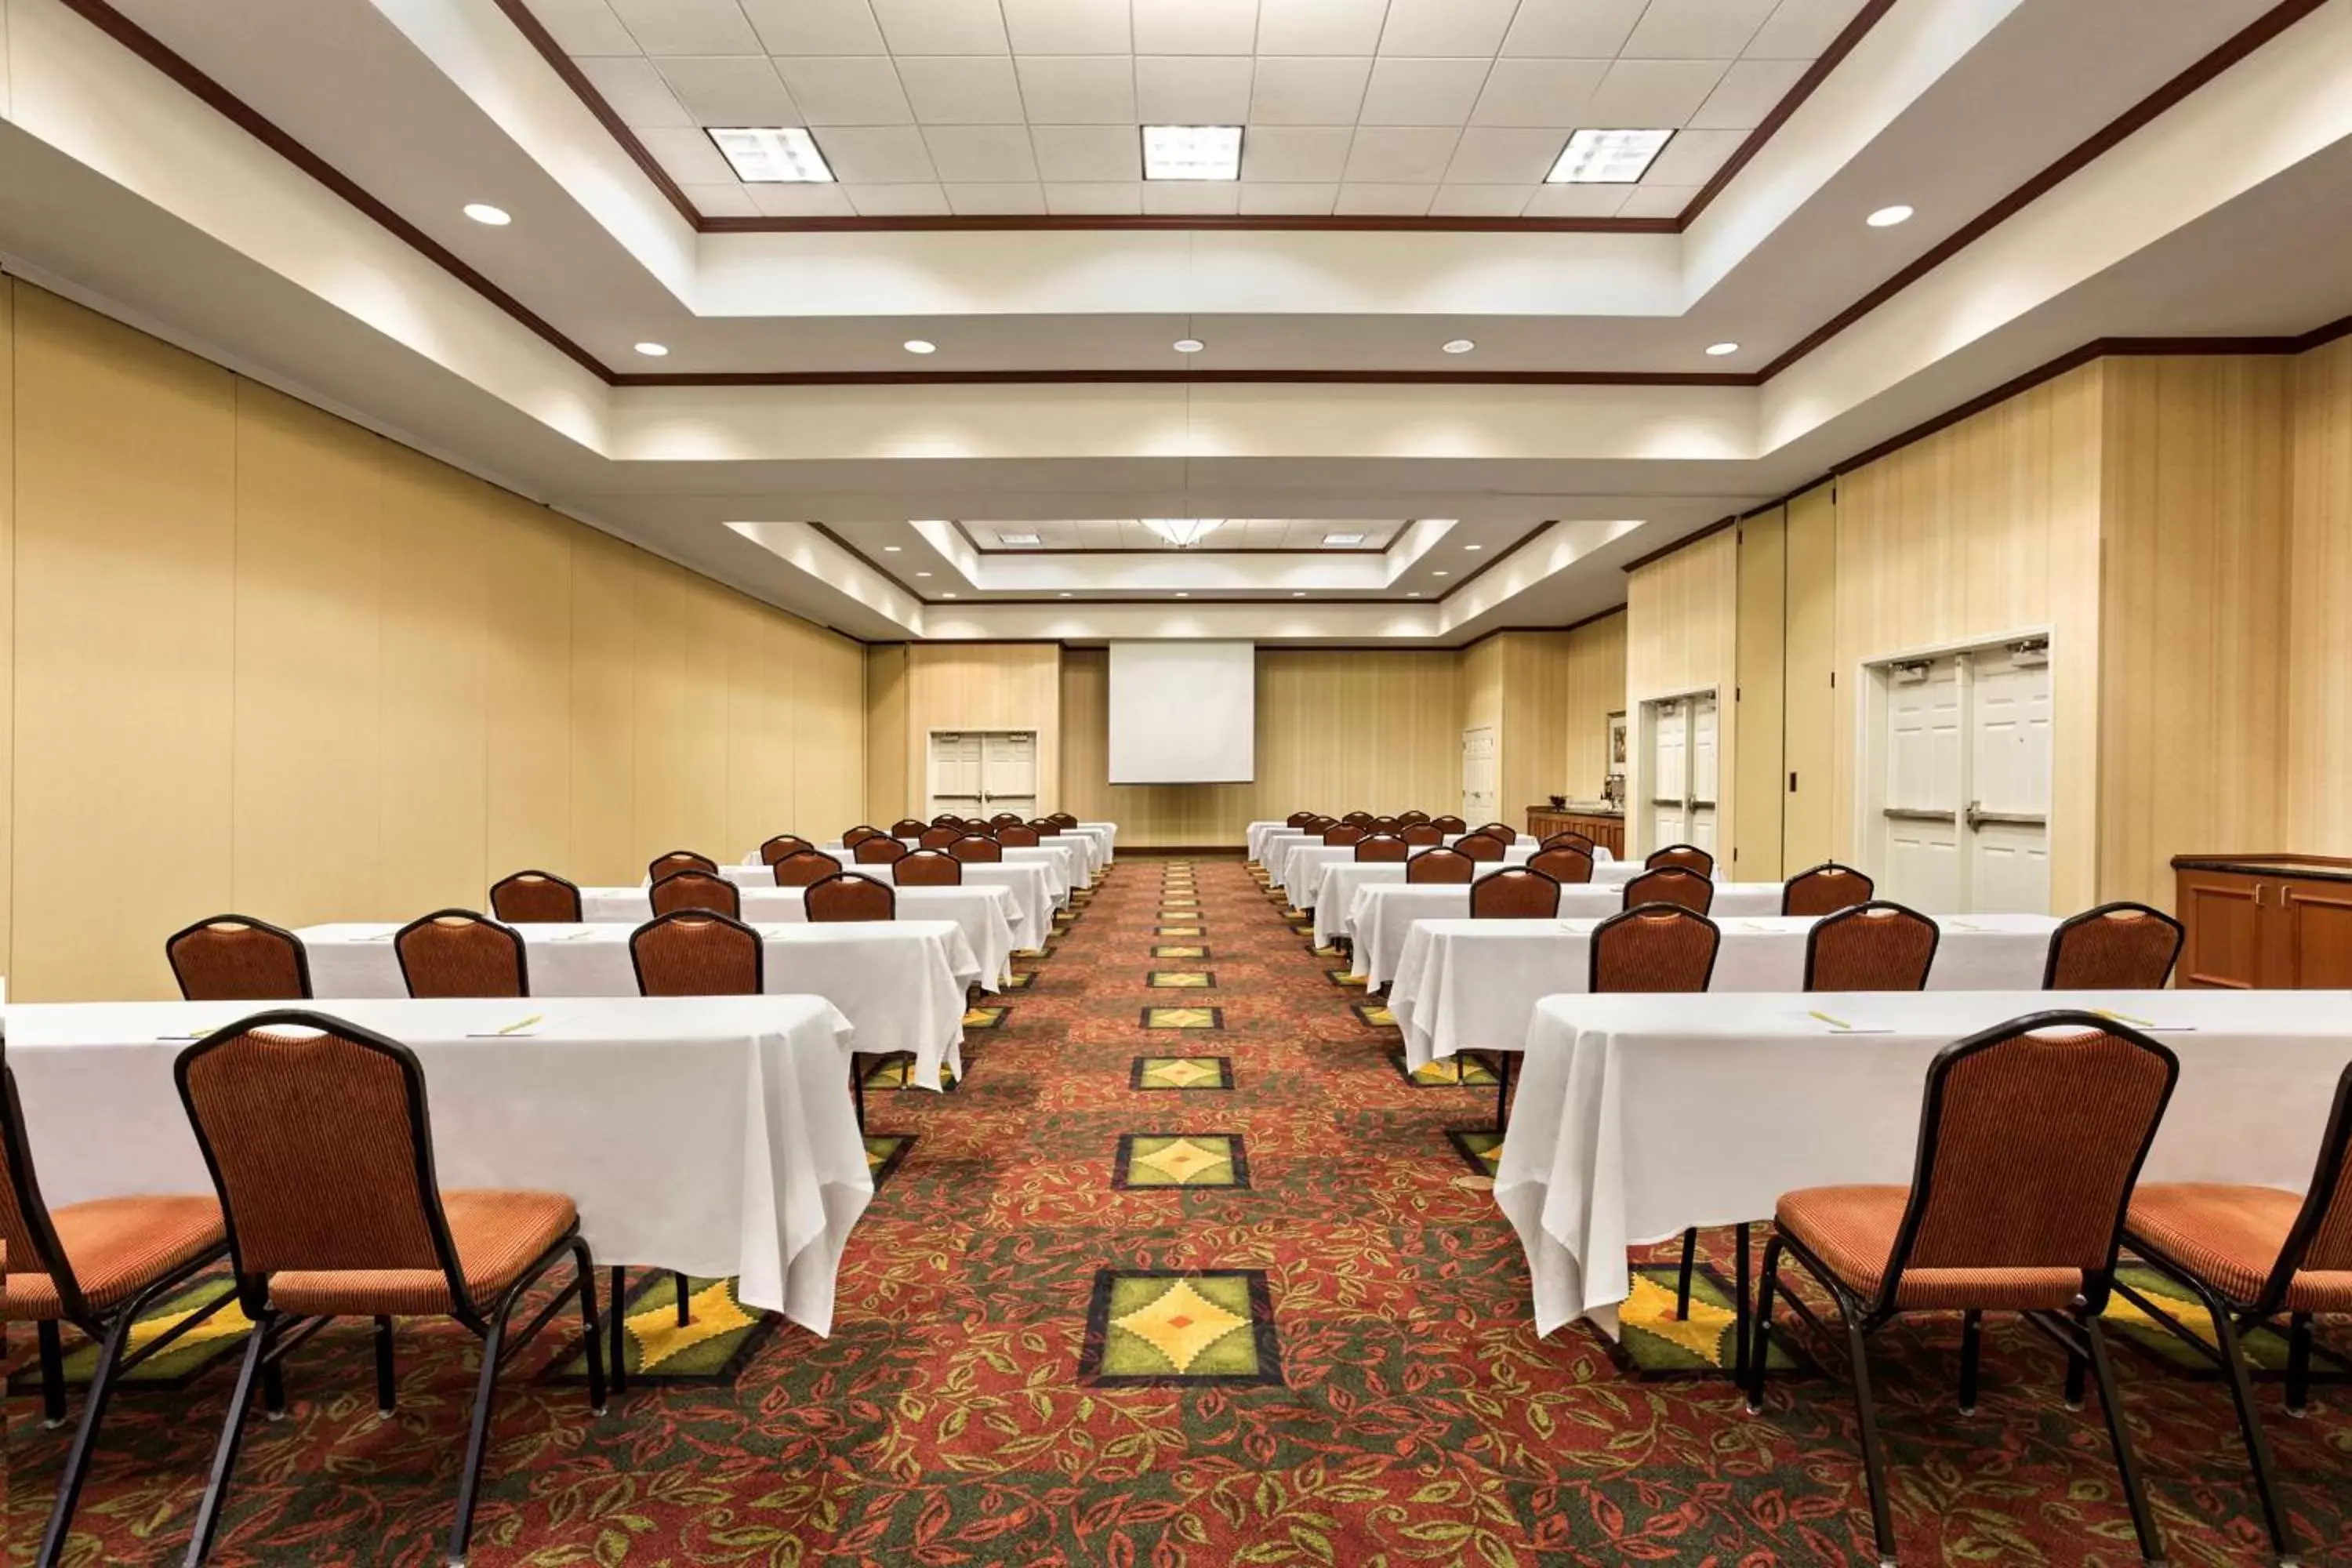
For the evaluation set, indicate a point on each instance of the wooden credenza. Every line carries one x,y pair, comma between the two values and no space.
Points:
2278,923
1607,830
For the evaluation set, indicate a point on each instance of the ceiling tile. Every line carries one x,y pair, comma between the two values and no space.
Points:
729,90
1094,198
1085,154
940,27
1497,156
1191,196
584,27
1577,201
1434,28
1078,90
1646,94
1386,155
917,200
1692,157
1398,200
1192,90
1296,153
636,93
981,154
688,27
1290,199
689,157
877,155
862,90
1573,29
1802,30
1746,93
1422,92
1319,27
801,201
814,27
1537,92
1697,29
732,200
1657,201
1480,201
961,90
1309,91
1195,27
1066,28
1024,196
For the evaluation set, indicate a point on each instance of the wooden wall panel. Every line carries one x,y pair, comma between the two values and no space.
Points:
1681,634
2317,794
885,734
603,715
1809,830
7,601
528,685
983,686
1758,707
1595,689
1535,722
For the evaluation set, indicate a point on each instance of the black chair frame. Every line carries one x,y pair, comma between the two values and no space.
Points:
514,937
301,953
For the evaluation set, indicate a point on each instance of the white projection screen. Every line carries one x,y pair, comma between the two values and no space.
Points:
1183,712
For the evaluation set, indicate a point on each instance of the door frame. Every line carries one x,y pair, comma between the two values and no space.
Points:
1641,746
930,795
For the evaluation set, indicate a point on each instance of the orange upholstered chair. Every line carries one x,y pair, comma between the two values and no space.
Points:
1449,825
698,890
879,850
974,848
100,1266
850,898
1045,827
1566,864
1514,893
1501,832
1654,948
928,869
679,861
1480,846
1672,885
908,827
1063,820
320,1147
1344,833
457,952
852,838
235,958
784,844
698,953
1383,824
1299,819
1825,889
1568,838
1412,818
1382,847
938,836
1017,836
1873,946
1006,819
1358,819
1689,857
536,898
1440,864
1421,834
2030,1137
2116,947
947,819
802,866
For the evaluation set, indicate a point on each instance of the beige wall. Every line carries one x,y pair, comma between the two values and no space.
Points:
2317,783
264,660
1682,635
1595,688
925,687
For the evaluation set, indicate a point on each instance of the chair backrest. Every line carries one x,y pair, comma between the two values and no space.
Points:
1017,836
879,850
2116,947
1384,825
1440,864
698,890
1448,825
804,867
1006,819
535,897
1689,857
1382,847
940,837
1825,889
1299,819
850,898
1479,846
1657,947
1358,818
1412,818
784,844
1345,833
908,827
1568,838
698,953
1565,864
2320,1240
678,860
1874,946
26,1229
851,838
236,958
948,819
1501,832
928,869
457,952
2031,1138
1694,890
1514,893
1063,820
1044,828
320,1147
973,846
1422,832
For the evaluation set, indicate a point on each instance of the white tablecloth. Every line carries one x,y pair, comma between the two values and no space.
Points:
1311,865
1298,862
1254,836
1615,1092
1062,866
899,982
985,914
713,1135
1381,913
1474,984
1032,900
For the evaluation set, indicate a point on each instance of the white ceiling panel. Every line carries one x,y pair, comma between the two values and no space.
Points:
638,93
689,157
1078,90
1497,155
729,90
1802,29
1655,201
1012,196
1434,28
1692,157
1396,155
1573,29
1319,27
978,154
877,155
1423,92
1195,27
961,90
1088,153
1652,94
802,201
1578,201
1455,199
1094,196
1537,92
1067,28
588,27
1216,196
1289,154
1697,29
1192,90
723,200
803,27
941,27
1290,199
1748,94
912,200
849,91
688,27
1396,198
1307,91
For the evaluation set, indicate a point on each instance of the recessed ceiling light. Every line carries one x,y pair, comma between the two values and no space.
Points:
498,218
653,351
1343,539
1192,151
1474,547
1299,593
922,573
919,346
1018,539
1412,594
889,549
1887,218
1183,594
1188,346
947,596
1063,594
771,155
1460,346
1719,350
1607,157
1440,573
1183,532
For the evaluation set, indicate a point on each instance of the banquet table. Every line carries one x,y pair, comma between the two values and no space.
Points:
1033,901
1310,864
984,914
1063,866
1615,1092
1474,984
1290,858
1384,912
743,1153
900,984
1102,840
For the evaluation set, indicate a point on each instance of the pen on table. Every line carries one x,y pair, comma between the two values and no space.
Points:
1832,1023
521,1024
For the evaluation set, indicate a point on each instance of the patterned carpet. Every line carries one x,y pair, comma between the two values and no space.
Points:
1185,1281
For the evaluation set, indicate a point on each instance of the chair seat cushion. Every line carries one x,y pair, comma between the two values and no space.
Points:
498,1236
2229,1238
1851,1231
117,1247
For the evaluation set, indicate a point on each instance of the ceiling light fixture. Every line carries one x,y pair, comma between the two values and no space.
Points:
1188,346
1412,593
1299,593
771,155
947,596
653,351
919,346
1719,350
1440,573
889,549
482,212
1192,151
1018,539
922,573
1183,594
1343,539
1607,157
1460,346
1183,532
1474,547
1064,595
1887,218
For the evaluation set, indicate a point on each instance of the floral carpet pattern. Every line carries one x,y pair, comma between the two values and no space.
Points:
1184,1287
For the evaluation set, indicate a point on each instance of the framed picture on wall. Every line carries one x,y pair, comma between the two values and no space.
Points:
1616,742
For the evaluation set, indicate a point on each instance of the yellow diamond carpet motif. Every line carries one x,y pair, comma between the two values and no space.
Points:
1182,1160
1651,1306
659,1336
1180,1324
1186,1072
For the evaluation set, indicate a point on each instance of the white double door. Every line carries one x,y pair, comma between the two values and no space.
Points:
981,772
1685,770
1480,764
1964,818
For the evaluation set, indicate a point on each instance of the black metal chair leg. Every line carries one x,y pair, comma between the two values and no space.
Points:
273,1391
857,1091
478,1432
1873,1461
2076,1369
1971,1349
2258,1448
617,1311
2298,1364
93,1411
1502,1091
52,1345
387,1393
685,1298
2151,1544
592,1336
1740,1326
1681,1288
1759,1350
240,1405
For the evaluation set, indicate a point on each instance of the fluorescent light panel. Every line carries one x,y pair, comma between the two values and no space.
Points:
771,155
1183,532
1343,539
1019,539
1607,157
1192,151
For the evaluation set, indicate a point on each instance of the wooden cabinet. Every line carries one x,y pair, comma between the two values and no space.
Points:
2278,923
1607,830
